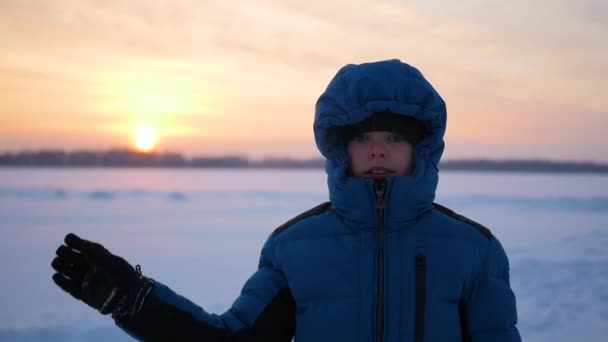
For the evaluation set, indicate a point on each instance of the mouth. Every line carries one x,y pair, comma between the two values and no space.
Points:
379,173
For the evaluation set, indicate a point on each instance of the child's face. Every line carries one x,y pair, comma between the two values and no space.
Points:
380,154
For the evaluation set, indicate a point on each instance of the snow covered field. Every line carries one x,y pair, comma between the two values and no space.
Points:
200,232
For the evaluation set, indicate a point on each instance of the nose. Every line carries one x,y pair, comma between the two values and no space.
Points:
377,150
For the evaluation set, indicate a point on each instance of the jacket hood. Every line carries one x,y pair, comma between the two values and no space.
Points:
354,94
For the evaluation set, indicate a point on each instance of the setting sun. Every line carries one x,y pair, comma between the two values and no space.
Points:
145,138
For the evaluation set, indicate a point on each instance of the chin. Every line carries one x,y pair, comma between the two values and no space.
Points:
379,176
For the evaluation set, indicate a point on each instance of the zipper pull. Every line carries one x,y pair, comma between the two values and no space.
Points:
420,261
380,188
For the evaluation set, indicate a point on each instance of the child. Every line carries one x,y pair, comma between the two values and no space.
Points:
379,262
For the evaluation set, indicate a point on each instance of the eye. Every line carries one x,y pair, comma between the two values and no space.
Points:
363,137
396,138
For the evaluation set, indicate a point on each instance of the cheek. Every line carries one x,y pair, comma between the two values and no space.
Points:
357,160
404,159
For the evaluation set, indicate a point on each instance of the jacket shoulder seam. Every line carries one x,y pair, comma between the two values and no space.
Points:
318,210
450,213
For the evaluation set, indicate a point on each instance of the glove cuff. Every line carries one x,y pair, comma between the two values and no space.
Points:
132,301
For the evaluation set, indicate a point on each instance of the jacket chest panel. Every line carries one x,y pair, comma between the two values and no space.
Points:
325,269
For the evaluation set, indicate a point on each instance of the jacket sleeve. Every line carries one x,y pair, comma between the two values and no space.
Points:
265,311
490,313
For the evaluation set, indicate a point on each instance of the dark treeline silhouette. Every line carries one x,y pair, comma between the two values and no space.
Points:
536,165
129,158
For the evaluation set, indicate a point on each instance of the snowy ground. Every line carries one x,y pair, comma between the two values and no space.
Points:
200,231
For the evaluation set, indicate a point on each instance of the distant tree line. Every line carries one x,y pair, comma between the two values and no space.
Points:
524,166
129,158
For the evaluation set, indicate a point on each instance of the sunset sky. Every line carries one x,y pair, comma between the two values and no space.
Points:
522,79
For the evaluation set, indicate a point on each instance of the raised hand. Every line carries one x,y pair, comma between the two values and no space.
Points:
106,282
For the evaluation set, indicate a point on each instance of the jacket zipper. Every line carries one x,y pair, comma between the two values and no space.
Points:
380,188
420,297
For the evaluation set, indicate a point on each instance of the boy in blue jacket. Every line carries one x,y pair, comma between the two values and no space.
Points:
379,262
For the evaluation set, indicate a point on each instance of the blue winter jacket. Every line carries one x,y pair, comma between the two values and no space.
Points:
374,263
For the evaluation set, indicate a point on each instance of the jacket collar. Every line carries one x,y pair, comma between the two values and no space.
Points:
405,198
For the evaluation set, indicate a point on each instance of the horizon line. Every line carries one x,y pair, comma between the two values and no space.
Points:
249,158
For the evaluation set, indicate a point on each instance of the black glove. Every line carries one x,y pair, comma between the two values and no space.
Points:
106,282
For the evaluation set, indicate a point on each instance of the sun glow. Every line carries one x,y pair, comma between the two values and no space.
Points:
153,104
145,138
153,94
